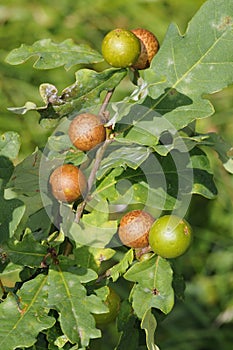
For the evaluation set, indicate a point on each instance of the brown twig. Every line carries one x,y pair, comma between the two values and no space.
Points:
91,179
99,156
2,287
102,111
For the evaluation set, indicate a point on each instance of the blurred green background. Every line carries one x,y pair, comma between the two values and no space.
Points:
205,319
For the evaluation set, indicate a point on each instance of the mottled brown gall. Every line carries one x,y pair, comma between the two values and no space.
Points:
134,228
68,183
149,47
86,131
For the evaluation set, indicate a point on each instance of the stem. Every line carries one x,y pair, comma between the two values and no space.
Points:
91,179
136,75
2,287
102,111
68,248
98,159
99,156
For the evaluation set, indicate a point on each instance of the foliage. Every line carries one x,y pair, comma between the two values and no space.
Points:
58,260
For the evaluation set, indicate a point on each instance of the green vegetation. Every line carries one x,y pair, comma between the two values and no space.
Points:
52,275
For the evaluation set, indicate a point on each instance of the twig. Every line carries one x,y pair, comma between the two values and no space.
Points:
98,158
136,75
2,287
102,111
91,179
68,247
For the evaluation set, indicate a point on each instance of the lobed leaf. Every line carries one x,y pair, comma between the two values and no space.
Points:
52,55
25,185
89,234
68,296
196,63
11,213
28,308
153,285
25,178
83,94
27,252
94,229
155,183
117,270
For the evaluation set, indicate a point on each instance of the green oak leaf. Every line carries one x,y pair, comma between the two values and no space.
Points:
203,180
224,150
11,214
51,55
24,186
28,307
153,279
86,90
94,229
119,269
25,177
149,324
10,144
27,252
11,274
92,257
11,209
84,93
197,63
122,156
88,234
106,186
68,296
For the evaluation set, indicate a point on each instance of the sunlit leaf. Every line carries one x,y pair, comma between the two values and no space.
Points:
68,296
94,229
196,63
28,308
84,93
11,274
123,156
117,270
51,55
92,257
154,285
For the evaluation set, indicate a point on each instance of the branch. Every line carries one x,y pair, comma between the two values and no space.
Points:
91,179
99,156
2,287
102,112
